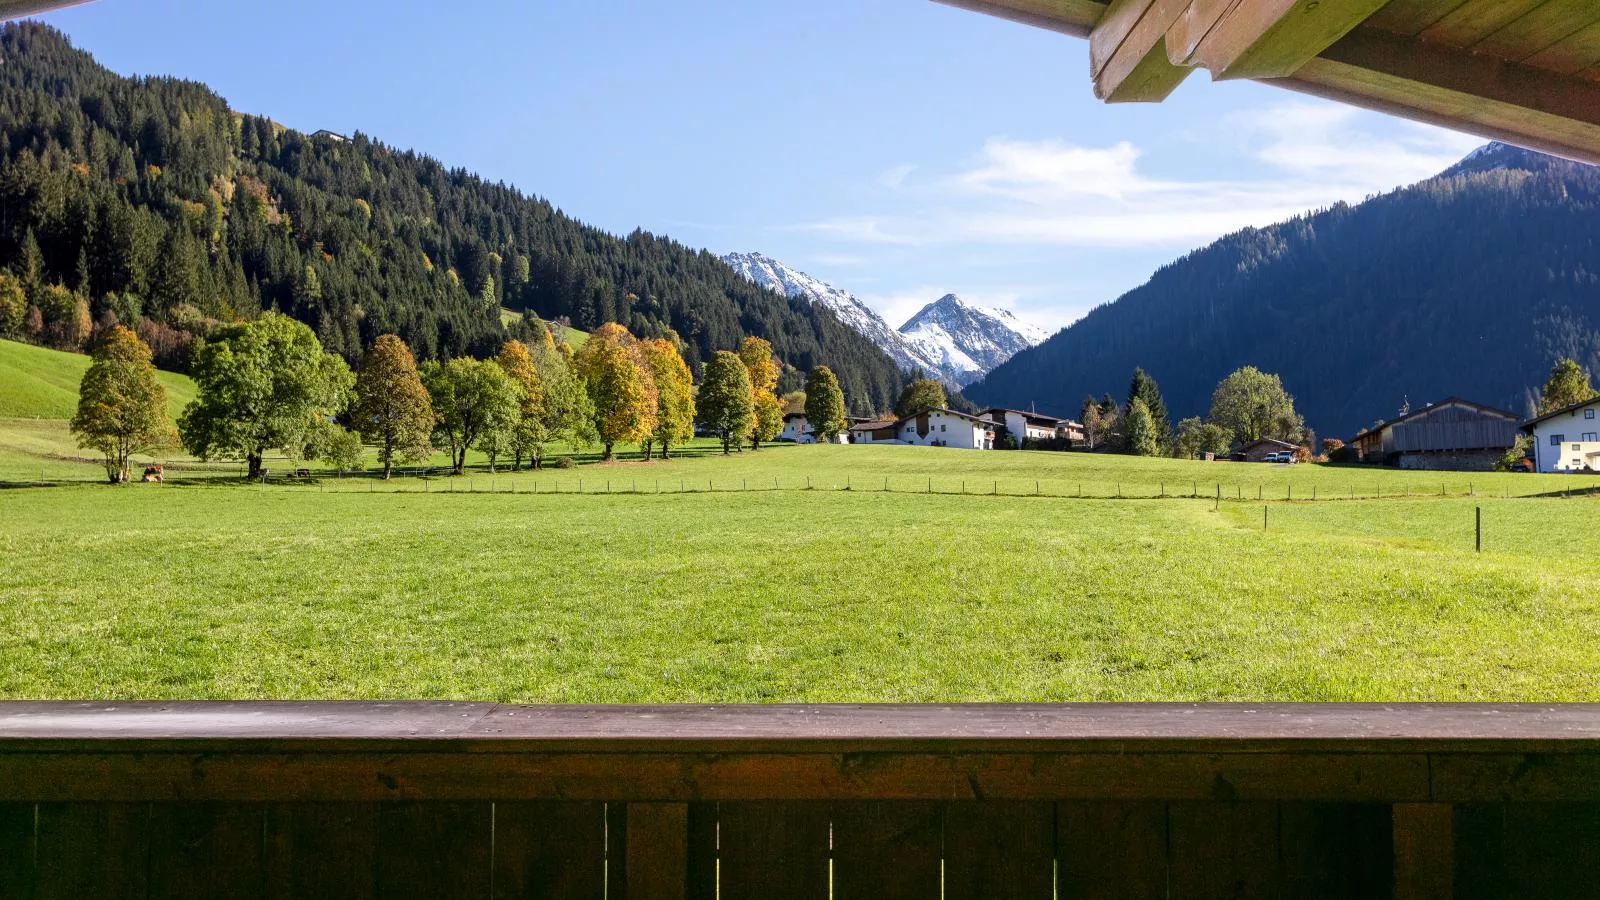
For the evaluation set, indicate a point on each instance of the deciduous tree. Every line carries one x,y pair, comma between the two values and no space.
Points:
392,408
13,305
1252,404
122,408
675,407
919,396
1196,437
1140,430
475,403
767,418
725,404
825,410
262,385
621,391
1568,385
517,361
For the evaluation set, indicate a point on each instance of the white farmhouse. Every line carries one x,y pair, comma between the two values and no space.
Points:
1031,426
1567,440
796,430
946,428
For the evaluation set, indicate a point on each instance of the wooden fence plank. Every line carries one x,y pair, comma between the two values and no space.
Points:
887,851
1473,857
999,850
655,852
435,851
1425,842
96,850
1224,850
1336,851
550,850
323,850
703,828
1553,849
16,851
771,850
1112,849
206,850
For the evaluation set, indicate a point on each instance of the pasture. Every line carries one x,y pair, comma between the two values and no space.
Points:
357,589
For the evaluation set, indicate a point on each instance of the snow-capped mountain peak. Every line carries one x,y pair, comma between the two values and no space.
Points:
950,339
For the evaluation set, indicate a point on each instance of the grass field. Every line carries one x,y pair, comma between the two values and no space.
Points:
230,591
43,384
800,574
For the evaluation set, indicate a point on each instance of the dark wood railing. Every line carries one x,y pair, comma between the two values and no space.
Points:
342,800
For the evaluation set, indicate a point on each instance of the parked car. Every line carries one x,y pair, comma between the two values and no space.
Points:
1280,456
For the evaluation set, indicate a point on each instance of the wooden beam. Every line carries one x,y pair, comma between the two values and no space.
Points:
16,9
1461,90
1269,38
1074,17
1128,54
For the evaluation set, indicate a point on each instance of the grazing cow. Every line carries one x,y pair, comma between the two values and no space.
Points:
155,474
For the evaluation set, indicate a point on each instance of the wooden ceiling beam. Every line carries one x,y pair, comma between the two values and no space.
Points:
1128,55
1458,89
1264,38
1075,17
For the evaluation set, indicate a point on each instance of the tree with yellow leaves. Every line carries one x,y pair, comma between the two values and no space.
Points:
674,396
767,412
122,408
620,387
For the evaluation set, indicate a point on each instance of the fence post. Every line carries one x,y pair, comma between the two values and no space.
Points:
1479,517
1264,511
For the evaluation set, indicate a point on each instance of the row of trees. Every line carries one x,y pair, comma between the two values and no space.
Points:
268,384
1246,406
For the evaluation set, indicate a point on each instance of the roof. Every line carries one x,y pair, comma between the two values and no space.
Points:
1040,417
949,412
874,426
16,9
1564,411
790,416
1273,441
1525,72
1435,407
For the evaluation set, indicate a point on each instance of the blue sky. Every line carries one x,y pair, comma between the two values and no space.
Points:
898,148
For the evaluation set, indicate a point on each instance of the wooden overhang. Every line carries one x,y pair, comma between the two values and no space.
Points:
16,9
1522,71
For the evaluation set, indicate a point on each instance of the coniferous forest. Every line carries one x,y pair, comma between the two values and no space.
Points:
148,201
1470,283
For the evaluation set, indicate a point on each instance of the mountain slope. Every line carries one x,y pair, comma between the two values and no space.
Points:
155,200
949,339
36,383
1469,284
967,339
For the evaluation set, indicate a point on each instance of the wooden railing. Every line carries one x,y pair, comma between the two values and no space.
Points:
337,800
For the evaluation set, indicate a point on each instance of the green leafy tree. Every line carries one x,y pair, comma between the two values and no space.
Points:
567,414
726,405
919,396
338,447
1568,385
1140,430
1143,387
1093,427
768,419
1196,437
262,385
392,409
825,410
475,403
674,396
122,408
1252,404
13,305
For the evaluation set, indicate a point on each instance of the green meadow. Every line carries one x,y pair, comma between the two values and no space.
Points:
800,574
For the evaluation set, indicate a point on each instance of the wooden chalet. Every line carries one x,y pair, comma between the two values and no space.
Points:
1453,434
1522,71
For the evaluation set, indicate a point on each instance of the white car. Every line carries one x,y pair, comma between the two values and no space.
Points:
1280,456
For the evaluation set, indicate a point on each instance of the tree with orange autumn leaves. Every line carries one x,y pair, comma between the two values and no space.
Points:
621,389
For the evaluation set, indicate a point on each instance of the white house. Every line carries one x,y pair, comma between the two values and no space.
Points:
946,428
796,430
884,432
1567,440
1032,426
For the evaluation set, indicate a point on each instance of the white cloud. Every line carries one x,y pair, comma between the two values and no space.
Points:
895,177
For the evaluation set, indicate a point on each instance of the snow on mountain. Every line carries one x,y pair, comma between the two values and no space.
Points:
975,339
952,340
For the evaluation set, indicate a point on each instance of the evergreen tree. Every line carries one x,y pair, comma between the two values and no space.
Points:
1568,385
392,409
1144,388
725,403
920,396
825,410
262,385
122,408
1139,429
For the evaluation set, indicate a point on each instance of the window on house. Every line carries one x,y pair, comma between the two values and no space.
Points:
1588,414
1590,437
941,427
1557,440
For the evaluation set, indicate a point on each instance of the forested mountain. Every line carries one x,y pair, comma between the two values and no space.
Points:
151,200
1470,283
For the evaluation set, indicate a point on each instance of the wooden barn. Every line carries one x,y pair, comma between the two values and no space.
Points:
1454,435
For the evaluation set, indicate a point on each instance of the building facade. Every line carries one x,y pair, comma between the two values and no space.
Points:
1453,435
1567,440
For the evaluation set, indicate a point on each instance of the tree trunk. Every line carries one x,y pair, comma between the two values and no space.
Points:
666,451
609,453
648,448
726,439
388,466
458,461
253,461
